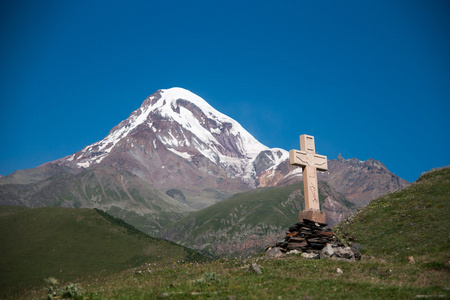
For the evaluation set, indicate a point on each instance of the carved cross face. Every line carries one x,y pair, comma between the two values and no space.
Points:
309,144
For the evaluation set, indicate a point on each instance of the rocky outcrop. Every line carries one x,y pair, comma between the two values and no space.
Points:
176,194
277,175
361,181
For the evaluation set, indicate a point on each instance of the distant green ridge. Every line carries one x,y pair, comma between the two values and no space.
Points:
414,221
246,223
68,243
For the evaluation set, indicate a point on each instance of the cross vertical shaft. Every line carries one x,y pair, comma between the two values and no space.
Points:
310,163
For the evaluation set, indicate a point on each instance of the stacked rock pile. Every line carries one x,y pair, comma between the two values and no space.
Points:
308,236
314,240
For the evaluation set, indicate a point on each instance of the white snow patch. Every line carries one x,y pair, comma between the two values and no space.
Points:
297,172
182,154
84,164
249,145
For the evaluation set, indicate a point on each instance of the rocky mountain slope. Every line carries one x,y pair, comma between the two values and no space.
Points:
361,181
173,155
122,194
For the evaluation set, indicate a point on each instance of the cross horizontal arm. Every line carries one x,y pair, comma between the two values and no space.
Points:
321,162
298,158
302,159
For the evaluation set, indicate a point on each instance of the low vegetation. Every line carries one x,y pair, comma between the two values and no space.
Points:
406,252
291,277
410,222
67,244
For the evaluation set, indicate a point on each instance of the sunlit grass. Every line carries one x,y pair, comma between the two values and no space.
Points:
289,278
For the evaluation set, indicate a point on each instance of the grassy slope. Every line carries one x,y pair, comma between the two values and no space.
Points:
255,206
264,211
288,278
410,222
245,217
69,243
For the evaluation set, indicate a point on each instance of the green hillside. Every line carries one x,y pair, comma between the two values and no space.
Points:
247,222
68,243
414,222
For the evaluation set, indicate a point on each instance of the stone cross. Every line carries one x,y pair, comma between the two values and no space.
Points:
310,163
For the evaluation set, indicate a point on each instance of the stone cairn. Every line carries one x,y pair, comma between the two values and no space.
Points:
313,240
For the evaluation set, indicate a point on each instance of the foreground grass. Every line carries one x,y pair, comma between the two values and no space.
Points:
70,243
291,277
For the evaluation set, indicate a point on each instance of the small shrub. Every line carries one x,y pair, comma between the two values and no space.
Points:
71,291
51,281
208,277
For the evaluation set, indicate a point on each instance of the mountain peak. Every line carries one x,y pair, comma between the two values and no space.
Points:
167,101
186,125
196,115
176,93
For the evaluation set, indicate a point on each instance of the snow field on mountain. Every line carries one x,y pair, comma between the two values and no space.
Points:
210,133
249,147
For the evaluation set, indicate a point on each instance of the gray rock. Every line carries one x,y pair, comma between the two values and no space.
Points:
254,268
294,252
344,253
274,252
311,255
327,251
356,253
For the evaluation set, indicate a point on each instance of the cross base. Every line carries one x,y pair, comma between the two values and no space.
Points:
312,215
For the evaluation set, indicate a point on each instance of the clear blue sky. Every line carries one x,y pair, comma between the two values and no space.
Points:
369,79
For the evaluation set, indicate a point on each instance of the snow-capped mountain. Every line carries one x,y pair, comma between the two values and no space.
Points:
176,136
213,134
173,155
